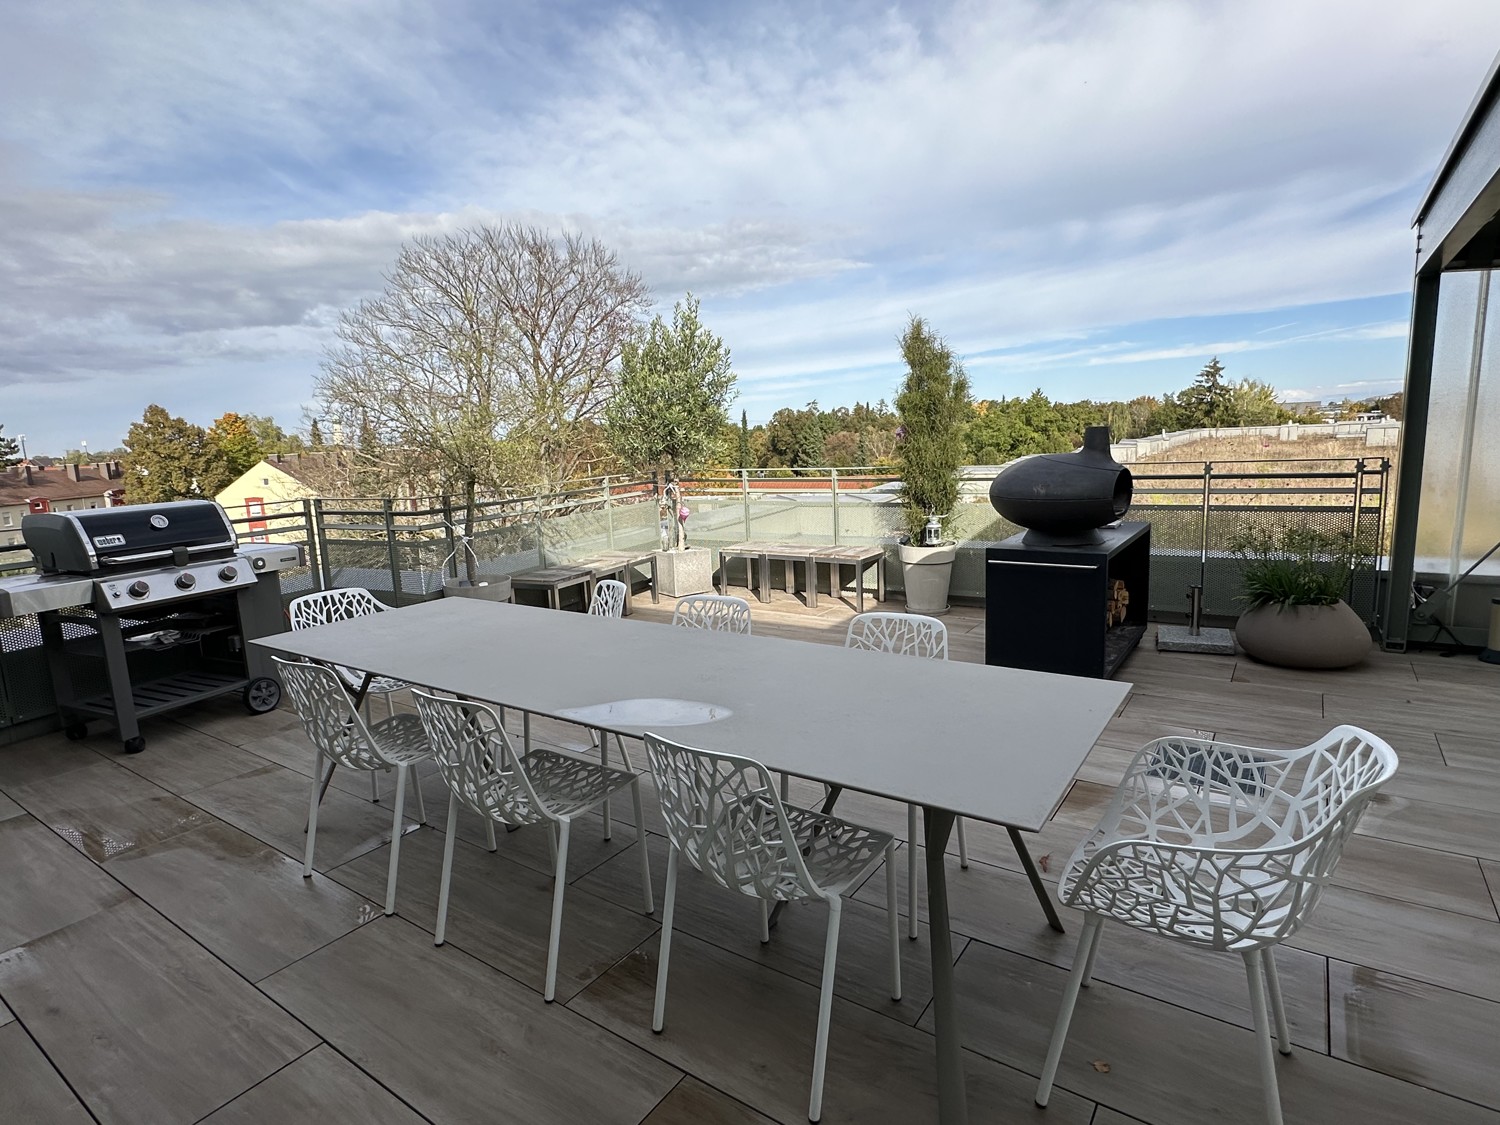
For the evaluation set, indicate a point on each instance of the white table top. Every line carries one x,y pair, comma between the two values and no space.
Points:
996,744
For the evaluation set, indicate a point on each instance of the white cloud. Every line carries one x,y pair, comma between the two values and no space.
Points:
187,190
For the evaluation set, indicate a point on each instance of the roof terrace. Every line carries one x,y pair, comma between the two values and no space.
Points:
166,963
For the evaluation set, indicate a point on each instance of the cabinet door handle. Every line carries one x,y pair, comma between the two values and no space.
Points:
1053,566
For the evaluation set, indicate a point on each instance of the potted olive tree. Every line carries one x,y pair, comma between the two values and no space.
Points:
669,416
1294,585
933,405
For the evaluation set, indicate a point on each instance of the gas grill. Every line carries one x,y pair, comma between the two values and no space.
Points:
145,608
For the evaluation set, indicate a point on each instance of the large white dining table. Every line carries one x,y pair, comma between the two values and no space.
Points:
958,739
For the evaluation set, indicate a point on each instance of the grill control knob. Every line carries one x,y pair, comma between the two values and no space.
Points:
186,582
138,589
228,574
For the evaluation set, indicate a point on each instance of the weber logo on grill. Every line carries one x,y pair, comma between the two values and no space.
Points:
109,540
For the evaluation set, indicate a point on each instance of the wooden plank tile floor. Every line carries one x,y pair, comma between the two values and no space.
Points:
163,960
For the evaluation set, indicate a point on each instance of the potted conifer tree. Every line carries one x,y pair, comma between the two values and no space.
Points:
934,406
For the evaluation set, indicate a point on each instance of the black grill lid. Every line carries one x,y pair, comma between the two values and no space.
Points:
132,535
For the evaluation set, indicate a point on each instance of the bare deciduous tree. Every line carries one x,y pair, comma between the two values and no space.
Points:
570,307
484,363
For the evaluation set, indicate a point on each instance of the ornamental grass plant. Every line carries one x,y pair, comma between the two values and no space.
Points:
1295,566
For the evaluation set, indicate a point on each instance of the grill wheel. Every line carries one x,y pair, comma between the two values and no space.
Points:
262,694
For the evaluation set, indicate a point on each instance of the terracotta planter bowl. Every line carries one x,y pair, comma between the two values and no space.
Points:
1304,636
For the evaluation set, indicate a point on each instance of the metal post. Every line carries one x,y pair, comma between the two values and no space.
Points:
609,516
1195,611
1424,312
745,498
833,476
1354,509
1208,476
320,536
392,553
541,545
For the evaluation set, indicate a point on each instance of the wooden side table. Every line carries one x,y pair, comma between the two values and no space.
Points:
554,580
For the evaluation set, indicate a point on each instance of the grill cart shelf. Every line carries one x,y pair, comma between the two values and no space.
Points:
154,663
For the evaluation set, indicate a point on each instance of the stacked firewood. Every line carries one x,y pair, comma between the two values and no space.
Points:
1119,601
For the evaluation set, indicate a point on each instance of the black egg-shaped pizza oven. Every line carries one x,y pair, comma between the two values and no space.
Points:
1063,498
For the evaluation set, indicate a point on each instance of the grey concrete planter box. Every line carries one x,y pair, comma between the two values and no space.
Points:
679,573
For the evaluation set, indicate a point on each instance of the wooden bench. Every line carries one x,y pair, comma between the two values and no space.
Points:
620,565
861,559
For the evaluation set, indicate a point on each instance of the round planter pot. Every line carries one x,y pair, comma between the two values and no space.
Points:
927,572
487,589
1304,636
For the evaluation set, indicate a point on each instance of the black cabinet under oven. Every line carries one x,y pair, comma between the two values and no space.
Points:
1074,610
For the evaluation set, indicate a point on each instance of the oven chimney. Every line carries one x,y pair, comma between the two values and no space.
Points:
72,470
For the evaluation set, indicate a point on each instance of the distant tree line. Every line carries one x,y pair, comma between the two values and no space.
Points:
1000,430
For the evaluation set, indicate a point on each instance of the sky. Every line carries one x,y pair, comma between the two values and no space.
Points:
1093,197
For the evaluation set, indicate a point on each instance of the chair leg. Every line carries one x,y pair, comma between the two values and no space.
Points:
1278,1007
1093,955
640,842
552,842
1091,926
559,885
765,922
489,834
452,834
825,1008
396,818
1040,888
911,871
659,1011
375,786
312,815
1254,972
963,844
786,787
416,778
894,917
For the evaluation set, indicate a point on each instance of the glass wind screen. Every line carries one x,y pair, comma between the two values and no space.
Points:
1457,519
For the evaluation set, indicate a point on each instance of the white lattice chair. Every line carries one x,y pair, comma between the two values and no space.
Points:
907,634
608,599
713,611
725,817
485,775
1223,847
913,634
339,733
326,606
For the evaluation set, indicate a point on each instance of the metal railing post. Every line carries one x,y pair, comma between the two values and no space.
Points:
745,498
1208,476
609,516
833,479
320,537
389,513
1354,509
541,545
